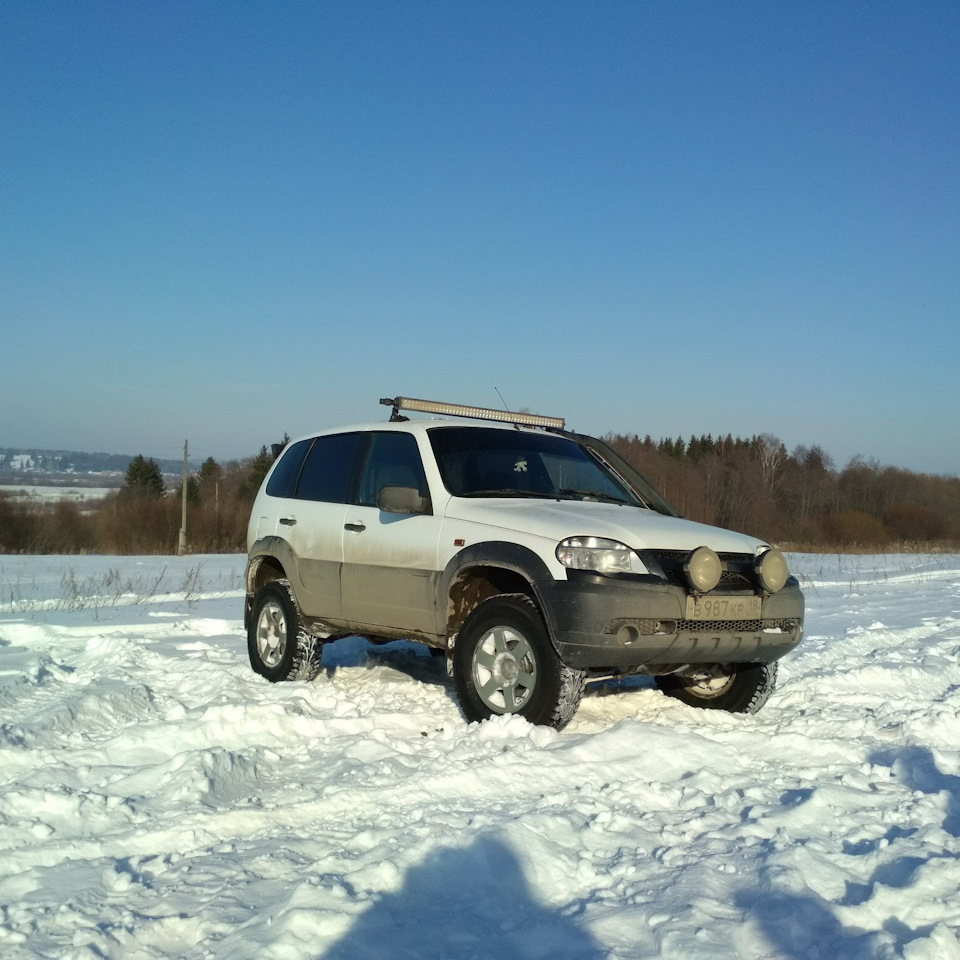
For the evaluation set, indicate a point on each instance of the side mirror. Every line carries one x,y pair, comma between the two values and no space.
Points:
402,500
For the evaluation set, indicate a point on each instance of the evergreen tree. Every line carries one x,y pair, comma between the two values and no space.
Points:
256,471
193,489
143,480
209,479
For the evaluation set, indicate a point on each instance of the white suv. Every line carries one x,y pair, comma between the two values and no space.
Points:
533,557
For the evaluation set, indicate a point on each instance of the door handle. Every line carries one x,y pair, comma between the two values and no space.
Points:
355,527
288,521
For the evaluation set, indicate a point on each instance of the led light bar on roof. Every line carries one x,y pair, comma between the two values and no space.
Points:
477,413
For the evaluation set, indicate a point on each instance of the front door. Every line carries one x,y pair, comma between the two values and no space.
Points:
389,573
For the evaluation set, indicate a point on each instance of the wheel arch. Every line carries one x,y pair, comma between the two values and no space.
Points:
262,567
485,570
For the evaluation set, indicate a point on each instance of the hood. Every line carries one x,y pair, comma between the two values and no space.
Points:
637,527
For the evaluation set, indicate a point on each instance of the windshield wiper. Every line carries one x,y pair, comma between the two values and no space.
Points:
506,492
590,495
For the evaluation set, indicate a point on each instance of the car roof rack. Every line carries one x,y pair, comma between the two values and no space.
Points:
462,410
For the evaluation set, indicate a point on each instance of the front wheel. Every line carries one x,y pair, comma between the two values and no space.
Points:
734,687
504,662
279,645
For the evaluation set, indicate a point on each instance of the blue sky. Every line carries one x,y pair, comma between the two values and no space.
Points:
224,221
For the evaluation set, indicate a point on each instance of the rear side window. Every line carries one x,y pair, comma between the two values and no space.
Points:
328,470
284,477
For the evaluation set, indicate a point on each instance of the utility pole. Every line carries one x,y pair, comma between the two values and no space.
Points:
182,548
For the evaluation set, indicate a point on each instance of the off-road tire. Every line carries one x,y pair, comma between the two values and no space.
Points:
734,687
504,662
279,646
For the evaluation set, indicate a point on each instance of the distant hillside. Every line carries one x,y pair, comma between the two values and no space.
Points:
17,463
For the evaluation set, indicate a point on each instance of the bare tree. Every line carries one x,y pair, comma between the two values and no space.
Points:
770,454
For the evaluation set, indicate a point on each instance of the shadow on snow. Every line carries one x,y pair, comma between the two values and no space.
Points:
471,903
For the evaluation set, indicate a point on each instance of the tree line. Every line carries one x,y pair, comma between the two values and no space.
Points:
797,499
143,516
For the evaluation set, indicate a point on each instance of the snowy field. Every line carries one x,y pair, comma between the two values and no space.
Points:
90,496
157,799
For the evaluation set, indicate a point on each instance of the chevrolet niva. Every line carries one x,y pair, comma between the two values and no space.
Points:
532,557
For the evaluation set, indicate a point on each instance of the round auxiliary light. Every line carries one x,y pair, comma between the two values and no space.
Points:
703,569
772,570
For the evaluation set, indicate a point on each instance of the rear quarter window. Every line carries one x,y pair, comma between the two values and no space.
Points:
283,480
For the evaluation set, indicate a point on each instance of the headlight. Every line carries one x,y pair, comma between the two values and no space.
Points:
772,570
703,569
598,554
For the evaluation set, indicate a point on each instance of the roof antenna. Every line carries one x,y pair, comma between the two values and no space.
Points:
505,407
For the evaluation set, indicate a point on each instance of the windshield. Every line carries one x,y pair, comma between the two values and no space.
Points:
488,462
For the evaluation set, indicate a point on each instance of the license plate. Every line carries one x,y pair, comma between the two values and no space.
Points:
723,608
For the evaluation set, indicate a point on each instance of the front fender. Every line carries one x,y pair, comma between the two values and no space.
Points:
496,555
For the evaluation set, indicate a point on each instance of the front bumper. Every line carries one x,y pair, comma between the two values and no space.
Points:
614,623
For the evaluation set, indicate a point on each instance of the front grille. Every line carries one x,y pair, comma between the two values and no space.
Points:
735,580
679,556
650,627
735,626
737,573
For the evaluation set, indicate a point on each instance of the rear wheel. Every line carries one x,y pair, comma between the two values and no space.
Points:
279,646
504,662
734,687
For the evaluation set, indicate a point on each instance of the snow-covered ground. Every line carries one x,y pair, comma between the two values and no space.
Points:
90,496
157,799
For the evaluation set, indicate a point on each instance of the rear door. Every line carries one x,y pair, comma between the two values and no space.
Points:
390,560
312,522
